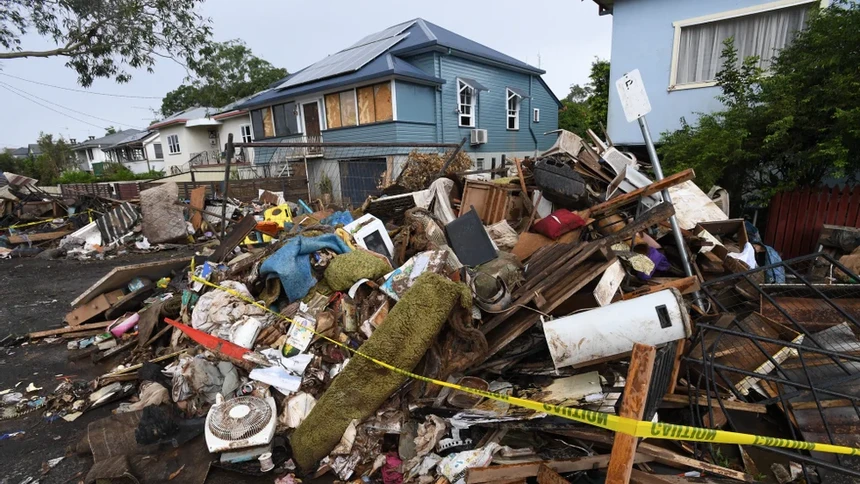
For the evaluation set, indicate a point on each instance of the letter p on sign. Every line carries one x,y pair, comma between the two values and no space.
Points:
634,100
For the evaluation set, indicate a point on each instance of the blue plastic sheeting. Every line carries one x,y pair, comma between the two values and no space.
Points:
293,267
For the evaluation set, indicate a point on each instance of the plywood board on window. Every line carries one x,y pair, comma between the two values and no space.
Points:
348,115
382,96
332,111
268,123
366,105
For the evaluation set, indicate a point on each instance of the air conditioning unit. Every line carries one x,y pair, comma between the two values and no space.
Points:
240,423
479,136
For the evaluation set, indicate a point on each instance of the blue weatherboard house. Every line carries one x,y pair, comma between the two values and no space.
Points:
676,45
414,82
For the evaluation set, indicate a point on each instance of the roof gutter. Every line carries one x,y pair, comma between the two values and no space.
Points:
433,46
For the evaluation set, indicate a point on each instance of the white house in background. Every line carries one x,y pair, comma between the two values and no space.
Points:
91,154
141,152
197,137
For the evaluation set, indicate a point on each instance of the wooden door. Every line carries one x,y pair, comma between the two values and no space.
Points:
311,114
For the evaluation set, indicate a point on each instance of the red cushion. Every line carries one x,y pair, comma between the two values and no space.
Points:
558,223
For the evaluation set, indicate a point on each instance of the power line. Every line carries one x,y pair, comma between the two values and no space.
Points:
52,109
81,90
9,86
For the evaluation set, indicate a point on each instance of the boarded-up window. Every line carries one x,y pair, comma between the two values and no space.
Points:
382,95
268,123
347,108
366,105
374,106
332,111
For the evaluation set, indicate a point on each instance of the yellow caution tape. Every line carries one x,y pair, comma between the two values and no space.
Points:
624,425
44,221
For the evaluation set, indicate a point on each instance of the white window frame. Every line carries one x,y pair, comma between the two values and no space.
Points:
246,133
536,115
90,155
472,104
512,113
173,147
741,12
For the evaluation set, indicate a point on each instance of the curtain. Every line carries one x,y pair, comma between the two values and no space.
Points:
761,34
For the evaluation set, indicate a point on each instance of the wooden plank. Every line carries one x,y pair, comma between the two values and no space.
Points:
82,334
91,309
633,406
686,285
702,400
546,475
118,277
676,367
842,206
68,329
198,201
839,403
646,191
238,233
477,475
820,212
382,99
268,123
653,216
659,454
41,237
332,111
799,232
782,221
366,105
853,219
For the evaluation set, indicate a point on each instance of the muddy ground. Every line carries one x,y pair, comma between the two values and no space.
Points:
34,296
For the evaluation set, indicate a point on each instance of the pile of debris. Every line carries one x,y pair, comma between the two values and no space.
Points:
313,340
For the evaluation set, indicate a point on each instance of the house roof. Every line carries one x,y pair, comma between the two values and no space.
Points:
108,140
381,55
183,117
34,148
133,139
605,6
22,151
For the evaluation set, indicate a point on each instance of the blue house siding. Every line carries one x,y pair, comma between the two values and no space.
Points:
542,99
642,37
491,106
415,102
426,62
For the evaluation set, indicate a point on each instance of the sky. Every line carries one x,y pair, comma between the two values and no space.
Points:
562,37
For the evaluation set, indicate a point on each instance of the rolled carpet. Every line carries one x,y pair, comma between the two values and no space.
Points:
363,386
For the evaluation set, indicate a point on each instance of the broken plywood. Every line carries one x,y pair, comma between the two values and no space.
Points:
119,277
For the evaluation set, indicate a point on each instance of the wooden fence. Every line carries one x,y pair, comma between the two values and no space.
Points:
115,190
795,218
245,190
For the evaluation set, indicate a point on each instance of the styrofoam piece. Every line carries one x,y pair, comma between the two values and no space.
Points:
369,233
601,333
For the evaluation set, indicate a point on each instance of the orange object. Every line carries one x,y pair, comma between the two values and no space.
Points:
268,227
213,343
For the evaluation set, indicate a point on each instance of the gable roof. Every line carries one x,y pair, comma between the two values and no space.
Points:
380,55
22,151
105,141
133,138
196,112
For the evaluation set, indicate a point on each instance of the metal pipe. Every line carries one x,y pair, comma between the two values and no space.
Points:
287,144
676,229
230,149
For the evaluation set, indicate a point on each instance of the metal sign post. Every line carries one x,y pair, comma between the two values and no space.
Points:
636,105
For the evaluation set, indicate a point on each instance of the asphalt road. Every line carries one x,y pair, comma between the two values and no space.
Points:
35,295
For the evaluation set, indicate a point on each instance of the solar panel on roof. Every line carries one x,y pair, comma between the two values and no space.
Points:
389,32
344,61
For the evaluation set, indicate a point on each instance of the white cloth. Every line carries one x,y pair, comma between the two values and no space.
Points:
747,255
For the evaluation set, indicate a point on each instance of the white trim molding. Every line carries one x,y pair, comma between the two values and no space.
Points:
716,17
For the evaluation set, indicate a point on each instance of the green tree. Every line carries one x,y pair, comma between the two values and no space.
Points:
793,127
110,130
8,162
585,107
224,72
55,158
104,38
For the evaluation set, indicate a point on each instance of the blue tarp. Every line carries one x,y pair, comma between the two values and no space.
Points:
293,267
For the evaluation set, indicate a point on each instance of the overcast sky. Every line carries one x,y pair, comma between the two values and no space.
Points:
561,36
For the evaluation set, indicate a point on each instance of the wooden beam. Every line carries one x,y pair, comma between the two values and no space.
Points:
548,476
69,329
198,201
653,216
684,400
633,406
20,239
477,475
659,454
646,191
685,285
